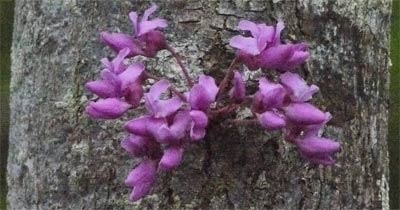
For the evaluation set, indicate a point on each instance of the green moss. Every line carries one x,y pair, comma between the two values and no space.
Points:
6,21
394,115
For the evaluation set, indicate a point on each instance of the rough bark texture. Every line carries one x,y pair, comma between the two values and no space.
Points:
60,159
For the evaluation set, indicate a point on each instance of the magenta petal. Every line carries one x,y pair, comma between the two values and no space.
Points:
238,91
117,63
133,16
158,107
198,125
155,127
276,57
209,84
246,44
167,107
118,41
312,130
147,26
316,145
145,172
149,12
297,87
135,145
203,93
266,34
246,25
140,191
171,159
109,108
137,126
133,94
304,114
180,124
102,88
272,94
271,120
176,131
278,29
130,75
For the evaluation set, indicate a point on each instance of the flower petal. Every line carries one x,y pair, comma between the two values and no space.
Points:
315,145
246,44
297,87
137,126
198,125
135,145
118,41
130,75
145,172
272,94
171,159
304,114
147,26
110,108
271,121
246,25
118,61
102,88
238,91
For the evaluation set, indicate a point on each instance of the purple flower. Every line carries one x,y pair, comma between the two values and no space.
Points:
284,57
198,124
318,150
298,89
145,25
138,126
238,91
126,84
118,41
171,159
261,36
146,41
304,114
271,120
110,108
270,95
172,133
158,107
203,94
136,145
141,179
263,49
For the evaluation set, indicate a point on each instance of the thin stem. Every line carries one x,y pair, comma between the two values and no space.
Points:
183,68
171,87
224,110
228,75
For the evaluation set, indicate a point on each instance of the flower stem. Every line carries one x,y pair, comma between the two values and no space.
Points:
228,75
179,61
224,110
171,87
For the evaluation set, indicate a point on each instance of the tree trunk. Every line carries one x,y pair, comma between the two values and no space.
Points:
60,159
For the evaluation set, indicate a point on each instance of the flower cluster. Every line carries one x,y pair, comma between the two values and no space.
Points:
174,119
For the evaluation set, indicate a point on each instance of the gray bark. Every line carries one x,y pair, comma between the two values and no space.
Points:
60,159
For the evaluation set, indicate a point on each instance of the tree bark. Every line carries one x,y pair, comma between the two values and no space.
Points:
60,159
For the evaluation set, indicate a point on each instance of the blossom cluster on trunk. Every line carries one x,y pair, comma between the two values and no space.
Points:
173,119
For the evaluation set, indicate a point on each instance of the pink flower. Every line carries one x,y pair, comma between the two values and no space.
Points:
157,106
238,91
110,108
263,49
141,179
203,94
